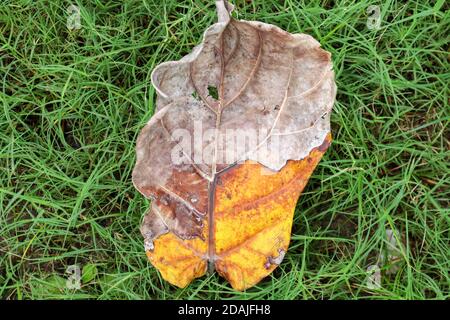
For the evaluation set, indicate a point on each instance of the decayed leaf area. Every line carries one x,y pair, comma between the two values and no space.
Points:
235,217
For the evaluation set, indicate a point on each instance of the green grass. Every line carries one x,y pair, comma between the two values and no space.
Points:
73,102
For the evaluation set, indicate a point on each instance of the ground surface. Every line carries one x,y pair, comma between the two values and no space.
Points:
73,102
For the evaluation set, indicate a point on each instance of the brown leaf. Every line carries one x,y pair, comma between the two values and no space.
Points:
218,158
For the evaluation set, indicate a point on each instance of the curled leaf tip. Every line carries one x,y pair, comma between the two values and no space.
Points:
224,9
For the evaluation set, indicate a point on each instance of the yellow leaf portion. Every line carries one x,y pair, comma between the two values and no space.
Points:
179,261
253,217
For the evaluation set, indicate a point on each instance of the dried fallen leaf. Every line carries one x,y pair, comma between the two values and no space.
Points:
373,281
392,255
240,124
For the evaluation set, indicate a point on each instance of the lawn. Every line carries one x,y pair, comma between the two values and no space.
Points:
74,99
